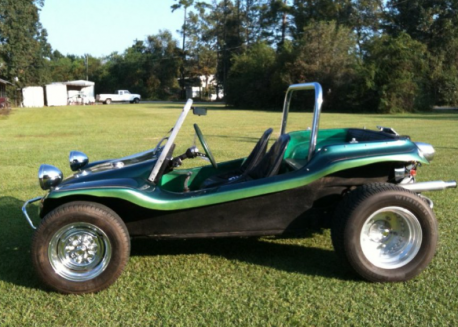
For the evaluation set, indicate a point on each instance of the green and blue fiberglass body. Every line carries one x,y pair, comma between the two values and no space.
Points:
316,168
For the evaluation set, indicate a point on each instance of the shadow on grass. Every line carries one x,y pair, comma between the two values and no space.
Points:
15,240
264,252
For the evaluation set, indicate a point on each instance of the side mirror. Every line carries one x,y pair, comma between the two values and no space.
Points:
199,111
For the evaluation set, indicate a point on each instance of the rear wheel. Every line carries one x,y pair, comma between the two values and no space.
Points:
385,233
80,247
107,101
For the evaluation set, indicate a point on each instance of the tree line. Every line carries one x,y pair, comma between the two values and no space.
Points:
369,55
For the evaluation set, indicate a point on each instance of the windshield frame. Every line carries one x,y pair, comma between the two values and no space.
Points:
170,141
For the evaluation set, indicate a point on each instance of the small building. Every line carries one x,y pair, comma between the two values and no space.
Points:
59,94
56,95
70,92
3,85
203,87
80,91
33,97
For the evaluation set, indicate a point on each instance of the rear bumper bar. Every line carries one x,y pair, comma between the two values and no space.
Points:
429,186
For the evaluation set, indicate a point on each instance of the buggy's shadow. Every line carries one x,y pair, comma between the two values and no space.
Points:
15,241
265,252
16,236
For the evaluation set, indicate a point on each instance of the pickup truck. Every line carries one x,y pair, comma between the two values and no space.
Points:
120,96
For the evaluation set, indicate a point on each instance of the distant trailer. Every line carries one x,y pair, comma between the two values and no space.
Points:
33,96
56,95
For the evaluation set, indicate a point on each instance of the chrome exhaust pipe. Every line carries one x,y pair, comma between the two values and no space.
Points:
429,186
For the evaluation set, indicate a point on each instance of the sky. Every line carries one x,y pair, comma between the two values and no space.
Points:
100,27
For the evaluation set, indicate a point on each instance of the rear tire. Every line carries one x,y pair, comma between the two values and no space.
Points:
108,101
80,247
384,233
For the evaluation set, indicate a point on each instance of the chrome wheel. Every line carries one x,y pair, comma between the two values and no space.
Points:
79,252
391,237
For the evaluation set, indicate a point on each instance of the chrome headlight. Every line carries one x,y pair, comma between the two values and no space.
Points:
427,150
77,160
49,176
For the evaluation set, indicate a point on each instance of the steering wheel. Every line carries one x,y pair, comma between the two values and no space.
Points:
205,146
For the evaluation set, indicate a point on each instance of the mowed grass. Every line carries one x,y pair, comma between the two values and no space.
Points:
220,282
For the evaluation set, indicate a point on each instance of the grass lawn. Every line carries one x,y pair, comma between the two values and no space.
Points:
240,282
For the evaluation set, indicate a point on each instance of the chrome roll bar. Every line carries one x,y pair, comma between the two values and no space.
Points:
316,112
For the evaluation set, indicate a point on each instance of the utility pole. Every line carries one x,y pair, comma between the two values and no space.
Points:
87,67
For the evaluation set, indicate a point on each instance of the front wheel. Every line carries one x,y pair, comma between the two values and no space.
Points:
385,233
136,100
80,247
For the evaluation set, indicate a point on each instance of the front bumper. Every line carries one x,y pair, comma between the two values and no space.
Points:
24,209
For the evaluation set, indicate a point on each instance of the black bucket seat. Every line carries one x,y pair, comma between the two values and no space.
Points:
267,167
251,161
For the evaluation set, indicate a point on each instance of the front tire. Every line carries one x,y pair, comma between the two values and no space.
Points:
136,100
80,247
385,233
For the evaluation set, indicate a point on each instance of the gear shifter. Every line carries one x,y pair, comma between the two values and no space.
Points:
190,153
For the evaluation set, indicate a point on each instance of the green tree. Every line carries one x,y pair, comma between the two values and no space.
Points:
163,64
249,84
185,4
365,17
428,21
65,68
305,12
325,53
433,23
201,50
275,18
23,41
396,70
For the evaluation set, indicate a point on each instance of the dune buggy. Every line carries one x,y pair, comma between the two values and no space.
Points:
361,181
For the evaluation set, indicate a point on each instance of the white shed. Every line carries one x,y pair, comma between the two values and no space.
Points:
33,96
56,95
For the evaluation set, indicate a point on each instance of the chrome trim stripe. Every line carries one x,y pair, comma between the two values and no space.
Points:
24,209
429,186
316,113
